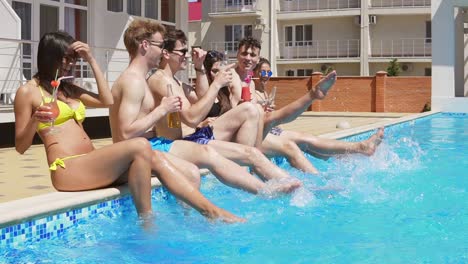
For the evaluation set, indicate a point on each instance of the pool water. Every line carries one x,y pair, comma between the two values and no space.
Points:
406,204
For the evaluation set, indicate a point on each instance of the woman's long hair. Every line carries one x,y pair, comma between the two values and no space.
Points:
211,58
52,49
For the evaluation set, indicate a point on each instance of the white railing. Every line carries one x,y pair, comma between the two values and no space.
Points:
344,48
18,64
229,46
306,5
221,6
391,48
400,3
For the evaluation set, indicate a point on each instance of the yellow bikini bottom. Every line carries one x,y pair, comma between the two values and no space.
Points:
61,162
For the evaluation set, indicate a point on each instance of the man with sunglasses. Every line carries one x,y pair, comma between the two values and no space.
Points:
134,114
239,125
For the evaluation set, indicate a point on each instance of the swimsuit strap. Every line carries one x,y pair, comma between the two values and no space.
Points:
42,90
61,162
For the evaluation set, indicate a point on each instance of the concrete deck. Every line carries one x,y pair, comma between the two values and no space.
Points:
27,175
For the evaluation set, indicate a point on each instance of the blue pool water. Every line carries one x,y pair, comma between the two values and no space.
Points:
406,204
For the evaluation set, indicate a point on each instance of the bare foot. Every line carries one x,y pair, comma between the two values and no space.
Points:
323,86
146,220
369,146
277,186
225,216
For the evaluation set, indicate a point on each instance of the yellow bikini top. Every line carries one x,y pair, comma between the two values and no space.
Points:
66,113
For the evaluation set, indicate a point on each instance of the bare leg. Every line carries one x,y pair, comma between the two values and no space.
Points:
275,145
102,167
187,189
291,111
239,124
252,157
225,170
186,169
324,146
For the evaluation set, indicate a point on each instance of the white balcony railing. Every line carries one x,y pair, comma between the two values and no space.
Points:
222,6
393,48
229,46
345,48
18,65
401,3
307,5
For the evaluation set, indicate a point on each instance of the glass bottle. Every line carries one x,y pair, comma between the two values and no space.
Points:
173,119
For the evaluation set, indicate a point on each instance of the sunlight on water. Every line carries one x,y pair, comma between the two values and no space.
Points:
404,204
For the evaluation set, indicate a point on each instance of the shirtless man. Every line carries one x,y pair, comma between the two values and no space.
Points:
240,125
134,112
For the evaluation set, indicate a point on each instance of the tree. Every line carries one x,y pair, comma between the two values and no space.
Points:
393,68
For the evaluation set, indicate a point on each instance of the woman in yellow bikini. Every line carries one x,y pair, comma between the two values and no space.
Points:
75,164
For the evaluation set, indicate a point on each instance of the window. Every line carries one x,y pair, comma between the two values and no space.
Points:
237,2
134,7
77,2
428,72
298,35
49,19
288,33
233,2
304,72
76,23
168,10
234,33
289,73
115,5
151,9
23,10
428,32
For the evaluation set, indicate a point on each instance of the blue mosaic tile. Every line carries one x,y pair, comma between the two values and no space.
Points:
54,225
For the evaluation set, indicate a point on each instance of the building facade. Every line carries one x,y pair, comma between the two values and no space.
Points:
355,37
99,23
450,64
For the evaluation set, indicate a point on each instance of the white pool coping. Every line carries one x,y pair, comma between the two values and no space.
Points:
15,212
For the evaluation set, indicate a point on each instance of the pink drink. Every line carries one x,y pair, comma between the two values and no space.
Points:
245,96
54,109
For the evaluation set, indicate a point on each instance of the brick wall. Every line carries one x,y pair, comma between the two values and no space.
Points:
359,94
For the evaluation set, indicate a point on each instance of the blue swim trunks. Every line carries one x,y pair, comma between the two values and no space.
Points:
276,131
161,144
202,135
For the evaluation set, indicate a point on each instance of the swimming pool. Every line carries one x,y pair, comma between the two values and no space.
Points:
407,203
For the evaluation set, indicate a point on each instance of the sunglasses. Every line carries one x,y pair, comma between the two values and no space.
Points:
156,43
182,52
214,54
264,73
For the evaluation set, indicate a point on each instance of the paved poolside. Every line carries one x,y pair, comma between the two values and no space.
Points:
27,175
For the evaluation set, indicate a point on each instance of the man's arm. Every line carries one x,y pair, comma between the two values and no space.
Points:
196,111
201,84
131,99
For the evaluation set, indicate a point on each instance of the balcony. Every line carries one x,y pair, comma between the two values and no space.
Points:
401,48
229,46
320,49
230,8
18,65
317,5
400,3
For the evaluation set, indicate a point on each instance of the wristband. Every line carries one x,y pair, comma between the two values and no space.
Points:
200,70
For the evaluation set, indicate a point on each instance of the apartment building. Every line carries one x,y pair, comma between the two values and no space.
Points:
100,23
355,37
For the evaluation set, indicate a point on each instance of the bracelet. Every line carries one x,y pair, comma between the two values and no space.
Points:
203,71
